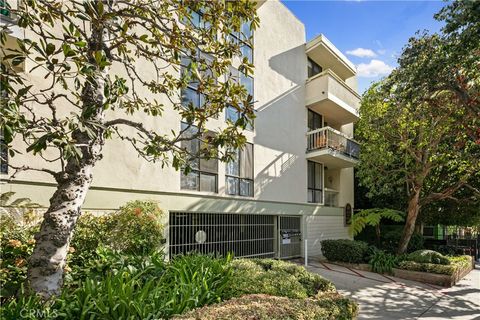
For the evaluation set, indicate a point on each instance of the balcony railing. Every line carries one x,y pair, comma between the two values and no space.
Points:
331,198
6,7
330,139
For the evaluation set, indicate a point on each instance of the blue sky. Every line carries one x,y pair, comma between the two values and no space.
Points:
370,33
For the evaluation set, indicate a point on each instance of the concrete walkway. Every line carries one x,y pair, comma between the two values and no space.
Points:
385,297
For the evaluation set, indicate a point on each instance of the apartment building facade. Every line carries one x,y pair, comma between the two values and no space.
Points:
292,182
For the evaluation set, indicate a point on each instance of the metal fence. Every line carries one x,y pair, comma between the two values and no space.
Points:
290,237
244,235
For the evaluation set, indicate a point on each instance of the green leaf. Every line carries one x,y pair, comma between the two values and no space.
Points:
50,49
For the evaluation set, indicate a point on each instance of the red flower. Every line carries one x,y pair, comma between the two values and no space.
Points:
138,211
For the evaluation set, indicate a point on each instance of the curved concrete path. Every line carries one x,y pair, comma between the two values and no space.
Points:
382,297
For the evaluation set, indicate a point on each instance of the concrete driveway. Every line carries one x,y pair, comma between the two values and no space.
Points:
382,297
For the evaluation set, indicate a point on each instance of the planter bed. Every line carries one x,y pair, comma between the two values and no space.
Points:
357,266
444,280
414,271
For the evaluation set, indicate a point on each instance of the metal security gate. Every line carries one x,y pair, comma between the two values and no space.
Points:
290,237
245,235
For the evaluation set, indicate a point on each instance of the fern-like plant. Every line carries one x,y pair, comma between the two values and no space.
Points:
373,217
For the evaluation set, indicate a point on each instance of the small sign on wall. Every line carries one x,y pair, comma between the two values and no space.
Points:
348,214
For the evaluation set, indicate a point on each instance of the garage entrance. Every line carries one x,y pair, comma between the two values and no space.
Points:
290,239
245,235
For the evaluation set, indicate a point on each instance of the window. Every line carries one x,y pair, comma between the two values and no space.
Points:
233,115
204,174
196,20
243,38
190,95
314,120
247,82
313,68
315,182
239,173
247,52
3,156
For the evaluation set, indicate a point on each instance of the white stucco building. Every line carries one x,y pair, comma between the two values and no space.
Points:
293,181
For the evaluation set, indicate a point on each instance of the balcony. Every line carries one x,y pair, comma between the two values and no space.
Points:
330,198
323,52
9,19
328,94
332,148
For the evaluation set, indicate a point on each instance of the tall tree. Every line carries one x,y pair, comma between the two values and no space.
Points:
88,53
420,126
464,211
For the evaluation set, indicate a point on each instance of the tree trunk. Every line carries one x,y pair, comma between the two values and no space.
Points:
412,213
46,264
377,234
48,259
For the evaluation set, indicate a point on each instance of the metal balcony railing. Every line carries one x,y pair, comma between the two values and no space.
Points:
329,138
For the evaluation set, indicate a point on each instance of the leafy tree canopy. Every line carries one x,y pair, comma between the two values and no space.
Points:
99,70
419,127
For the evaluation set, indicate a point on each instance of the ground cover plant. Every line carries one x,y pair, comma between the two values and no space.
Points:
116,269
264,307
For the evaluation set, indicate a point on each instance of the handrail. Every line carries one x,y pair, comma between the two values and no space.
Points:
333,130
331,139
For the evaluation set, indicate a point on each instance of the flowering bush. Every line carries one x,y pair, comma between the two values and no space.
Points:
17,245
135,229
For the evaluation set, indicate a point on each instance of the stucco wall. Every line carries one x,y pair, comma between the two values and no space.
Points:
280,74
279,136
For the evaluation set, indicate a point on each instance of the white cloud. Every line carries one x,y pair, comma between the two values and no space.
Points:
362,53
373,69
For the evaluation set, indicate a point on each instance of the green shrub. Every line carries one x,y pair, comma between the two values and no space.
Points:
264,307
137,228
144,288
274,277
195,280
456,264
345,250
17,244
111,261
90,233
427,256
382,262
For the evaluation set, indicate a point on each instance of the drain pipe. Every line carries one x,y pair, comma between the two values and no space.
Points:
306,253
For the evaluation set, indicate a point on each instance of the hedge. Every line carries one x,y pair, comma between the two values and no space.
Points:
265,307
345,250
274,277
427,256
456,263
